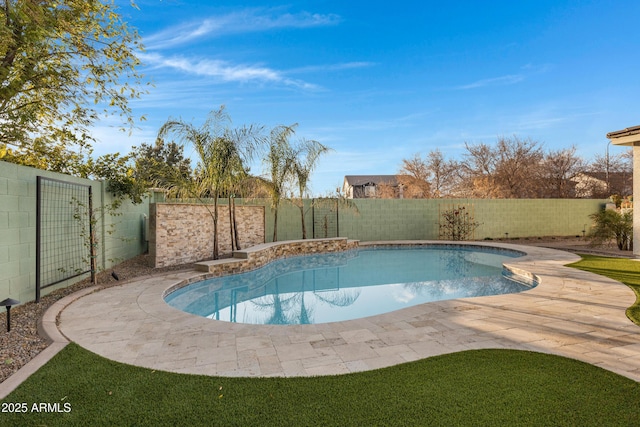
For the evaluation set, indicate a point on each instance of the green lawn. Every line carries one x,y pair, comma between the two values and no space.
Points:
621,269
481,387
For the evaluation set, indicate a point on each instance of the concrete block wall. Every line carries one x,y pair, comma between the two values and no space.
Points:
534,217
289,220
124,233
418,219
18,230
383,219
17,224
387,219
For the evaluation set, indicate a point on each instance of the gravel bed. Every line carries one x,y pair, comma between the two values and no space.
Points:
23,343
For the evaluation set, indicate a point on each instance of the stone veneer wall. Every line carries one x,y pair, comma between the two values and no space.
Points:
259,255
183,233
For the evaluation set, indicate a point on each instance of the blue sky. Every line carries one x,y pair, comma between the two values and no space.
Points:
380,81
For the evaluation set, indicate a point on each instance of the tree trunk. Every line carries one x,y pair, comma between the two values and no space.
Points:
275,224
231,224
235,226
215,225
304,228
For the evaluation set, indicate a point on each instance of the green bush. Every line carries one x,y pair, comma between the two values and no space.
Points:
610,224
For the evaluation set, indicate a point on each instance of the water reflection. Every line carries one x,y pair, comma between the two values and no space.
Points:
334,287
292,308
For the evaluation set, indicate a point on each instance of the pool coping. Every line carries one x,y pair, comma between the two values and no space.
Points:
570,313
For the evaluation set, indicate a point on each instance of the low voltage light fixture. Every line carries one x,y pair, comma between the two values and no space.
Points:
8,303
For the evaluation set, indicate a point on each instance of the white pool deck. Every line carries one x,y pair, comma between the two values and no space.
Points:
570,313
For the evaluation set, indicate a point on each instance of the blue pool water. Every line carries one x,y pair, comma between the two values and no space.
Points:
349,285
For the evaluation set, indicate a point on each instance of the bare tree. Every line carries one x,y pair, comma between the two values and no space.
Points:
557,170
518,161
443,173
433,176
478,172
610,174
385,190
507,170
413,176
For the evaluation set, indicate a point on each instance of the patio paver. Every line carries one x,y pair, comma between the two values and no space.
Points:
570,313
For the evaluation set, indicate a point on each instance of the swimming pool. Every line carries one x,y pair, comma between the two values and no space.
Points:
349,285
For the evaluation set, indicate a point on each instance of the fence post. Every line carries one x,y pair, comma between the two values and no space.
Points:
92,239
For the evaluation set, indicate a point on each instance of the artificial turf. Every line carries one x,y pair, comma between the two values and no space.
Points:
623,270
479,387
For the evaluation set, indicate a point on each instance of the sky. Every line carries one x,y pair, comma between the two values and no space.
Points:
381,81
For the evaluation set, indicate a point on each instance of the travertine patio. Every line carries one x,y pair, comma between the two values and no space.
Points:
570,313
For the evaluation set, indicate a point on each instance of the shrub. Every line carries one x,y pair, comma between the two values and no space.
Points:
457,224
610,224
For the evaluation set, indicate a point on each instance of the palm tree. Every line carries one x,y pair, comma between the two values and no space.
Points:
279,161
303,165
222,154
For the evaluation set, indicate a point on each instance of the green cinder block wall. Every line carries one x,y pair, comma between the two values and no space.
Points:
418,219
18,230
384,219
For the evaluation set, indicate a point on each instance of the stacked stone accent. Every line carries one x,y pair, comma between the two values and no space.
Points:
260,255
183,233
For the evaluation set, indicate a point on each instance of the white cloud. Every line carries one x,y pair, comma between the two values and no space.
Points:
181,34
225,71
402,294
249,20
331,67
496,81
245,21
528,71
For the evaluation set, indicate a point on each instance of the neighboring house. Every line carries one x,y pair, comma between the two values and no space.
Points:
599,185
372,186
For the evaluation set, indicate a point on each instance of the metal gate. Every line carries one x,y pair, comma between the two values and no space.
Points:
63,231
325,218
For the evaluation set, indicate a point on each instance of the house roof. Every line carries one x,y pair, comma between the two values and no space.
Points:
356,180
624,132
627,136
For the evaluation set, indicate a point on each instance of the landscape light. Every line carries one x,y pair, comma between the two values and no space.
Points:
8,303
